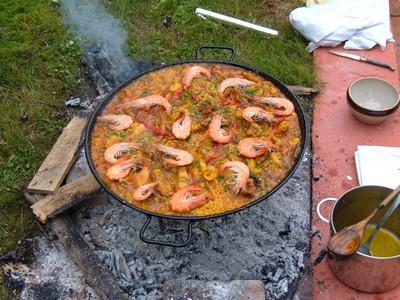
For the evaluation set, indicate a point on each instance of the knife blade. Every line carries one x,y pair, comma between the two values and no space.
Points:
363,59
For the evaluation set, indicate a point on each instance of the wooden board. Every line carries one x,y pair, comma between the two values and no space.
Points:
65,197
302,90
58,162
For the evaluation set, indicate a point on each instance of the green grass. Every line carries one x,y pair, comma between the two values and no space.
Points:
283,56
3,291
38,67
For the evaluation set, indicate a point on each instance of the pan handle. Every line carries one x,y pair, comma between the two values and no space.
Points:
164,243
230,49
319,208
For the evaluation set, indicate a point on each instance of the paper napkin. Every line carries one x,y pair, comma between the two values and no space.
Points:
377,165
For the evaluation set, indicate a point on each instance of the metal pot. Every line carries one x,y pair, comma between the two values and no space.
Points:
190,219
360,271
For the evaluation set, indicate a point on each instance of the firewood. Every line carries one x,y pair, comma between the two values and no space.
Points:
302,90
59,160
65,197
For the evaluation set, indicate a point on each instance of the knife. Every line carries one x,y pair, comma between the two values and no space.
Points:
363,59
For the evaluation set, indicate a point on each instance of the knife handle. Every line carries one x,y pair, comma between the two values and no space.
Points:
378,63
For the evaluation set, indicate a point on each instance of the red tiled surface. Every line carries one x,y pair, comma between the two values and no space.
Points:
335,135
396,28
396,33
395,7
395,24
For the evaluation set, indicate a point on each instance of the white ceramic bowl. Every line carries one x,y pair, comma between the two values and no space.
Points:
372,100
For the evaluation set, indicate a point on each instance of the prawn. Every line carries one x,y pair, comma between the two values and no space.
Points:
177,157
217,133
255,114
181,128
241,174
143,192
192,72
116,122
114,152
253,147
184,201
282,106
147,102
233,81
121,169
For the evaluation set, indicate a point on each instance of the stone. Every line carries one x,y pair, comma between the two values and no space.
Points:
214,290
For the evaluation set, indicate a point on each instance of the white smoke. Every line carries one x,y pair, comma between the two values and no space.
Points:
90,22
103,39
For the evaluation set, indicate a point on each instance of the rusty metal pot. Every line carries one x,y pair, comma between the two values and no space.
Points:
359,271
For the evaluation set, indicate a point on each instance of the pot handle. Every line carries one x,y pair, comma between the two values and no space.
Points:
164,243
319,208
230,49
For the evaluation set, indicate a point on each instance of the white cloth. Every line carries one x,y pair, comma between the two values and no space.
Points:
377,165
362,23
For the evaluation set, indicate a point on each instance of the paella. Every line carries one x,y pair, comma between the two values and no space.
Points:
196,139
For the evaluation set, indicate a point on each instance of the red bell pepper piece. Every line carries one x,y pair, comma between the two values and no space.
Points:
195,97
230,101
177,94
207,111
150,126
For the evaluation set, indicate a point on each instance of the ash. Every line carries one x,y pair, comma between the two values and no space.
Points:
48,274
268,242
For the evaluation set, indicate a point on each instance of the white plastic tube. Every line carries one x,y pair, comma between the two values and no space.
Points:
206,13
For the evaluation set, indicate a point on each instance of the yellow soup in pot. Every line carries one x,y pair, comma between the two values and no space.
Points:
385,243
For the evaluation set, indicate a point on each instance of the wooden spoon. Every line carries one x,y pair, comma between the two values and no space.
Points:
347,240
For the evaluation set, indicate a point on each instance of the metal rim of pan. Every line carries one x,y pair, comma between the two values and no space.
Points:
100,107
